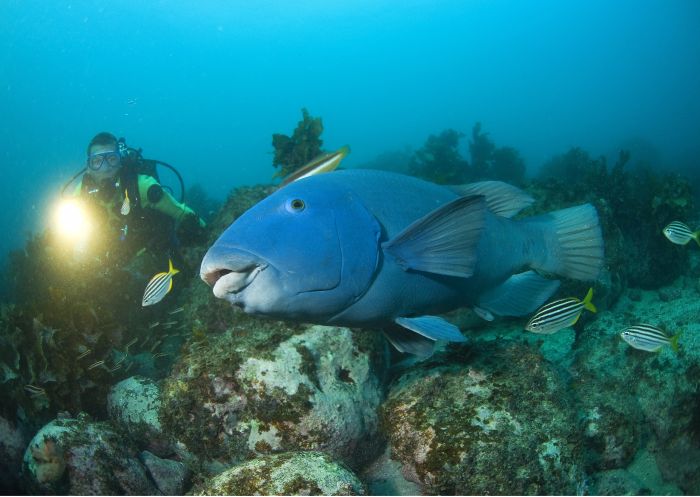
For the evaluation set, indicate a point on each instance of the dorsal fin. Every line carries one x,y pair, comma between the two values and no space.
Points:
501,198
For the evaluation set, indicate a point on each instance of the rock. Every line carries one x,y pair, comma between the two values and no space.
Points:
274,388
171,477
503,424
628,396
76,456
134,403
12,444
294,473
384,477
617,482
612,420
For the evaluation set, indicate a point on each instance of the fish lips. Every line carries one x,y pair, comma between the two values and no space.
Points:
230,271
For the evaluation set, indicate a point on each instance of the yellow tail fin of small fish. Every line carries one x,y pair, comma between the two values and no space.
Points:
171,269
674,341
345,150
696,237
587,301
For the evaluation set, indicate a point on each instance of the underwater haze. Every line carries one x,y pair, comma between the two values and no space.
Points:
514,314
203,86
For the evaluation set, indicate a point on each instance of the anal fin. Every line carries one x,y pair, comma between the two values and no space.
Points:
408,343
519,295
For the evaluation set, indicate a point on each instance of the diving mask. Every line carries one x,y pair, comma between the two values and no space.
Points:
98,160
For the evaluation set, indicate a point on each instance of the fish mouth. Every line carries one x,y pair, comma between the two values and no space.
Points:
229,274
229,282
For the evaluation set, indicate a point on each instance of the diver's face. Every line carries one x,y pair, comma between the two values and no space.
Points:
103,161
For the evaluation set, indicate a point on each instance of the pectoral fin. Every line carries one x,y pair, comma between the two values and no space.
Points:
444,241
432,327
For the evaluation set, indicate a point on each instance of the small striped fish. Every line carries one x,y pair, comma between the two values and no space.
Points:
649,338
126,205
680,234
559,314
159,286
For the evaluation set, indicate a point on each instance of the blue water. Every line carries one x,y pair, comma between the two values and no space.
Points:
205,87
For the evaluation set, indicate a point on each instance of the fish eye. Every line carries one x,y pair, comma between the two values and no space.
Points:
295,205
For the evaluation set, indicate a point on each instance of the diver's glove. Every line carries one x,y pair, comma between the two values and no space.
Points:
192,229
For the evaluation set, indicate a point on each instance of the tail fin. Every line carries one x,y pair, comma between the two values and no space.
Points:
674,341
575,243
588,301
696,237
171,269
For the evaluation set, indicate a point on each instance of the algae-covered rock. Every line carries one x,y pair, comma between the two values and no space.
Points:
503,424
384,477
12,444
617,482
171,477
77,456
629,396
135,403
612,420
265,387
295,473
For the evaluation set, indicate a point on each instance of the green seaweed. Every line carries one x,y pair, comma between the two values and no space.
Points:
292,152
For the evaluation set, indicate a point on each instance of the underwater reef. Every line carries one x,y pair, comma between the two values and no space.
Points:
103,396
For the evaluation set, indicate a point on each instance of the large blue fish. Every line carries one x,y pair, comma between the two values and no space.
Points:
365,248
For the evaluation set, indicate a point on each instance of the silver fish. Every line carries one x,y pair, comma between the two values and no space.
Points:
648,338
322,164
159,286
680,234
559,314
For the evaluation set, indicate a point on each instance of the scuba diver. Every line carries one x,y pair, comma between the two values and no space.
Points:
141,224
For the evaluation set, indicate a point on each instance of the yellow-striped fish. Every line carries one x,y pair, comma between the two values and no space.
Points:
159,286
322,164
648,338
126,205
680,234
559,314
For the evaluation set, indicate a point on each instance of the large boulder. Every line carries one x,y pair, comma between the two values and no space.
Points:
295,473
134,404
77,456
501,424
265,387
